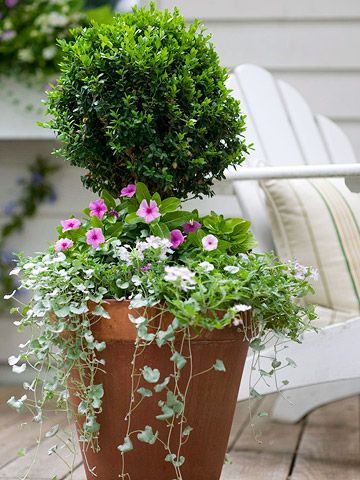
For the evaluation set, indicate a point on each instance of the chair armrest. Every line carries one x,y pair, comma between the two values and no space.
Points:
351,172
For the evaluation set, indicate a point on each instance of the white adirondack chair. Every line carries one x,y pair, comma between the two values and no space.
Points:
291,142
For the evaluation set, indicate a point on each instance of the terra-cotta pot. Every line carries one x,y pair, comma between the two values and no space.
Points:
209,409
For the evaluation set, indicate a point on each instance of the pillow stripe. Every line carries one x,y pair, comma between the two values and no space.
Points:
314,245
339,213
348,227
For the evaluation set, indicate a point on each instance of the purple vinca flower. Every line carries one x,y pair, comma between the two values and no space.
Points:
176,238
191,226
11,3
128,191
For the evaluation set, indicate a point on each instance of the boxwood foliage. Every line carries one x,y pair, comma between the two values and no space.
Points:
144,99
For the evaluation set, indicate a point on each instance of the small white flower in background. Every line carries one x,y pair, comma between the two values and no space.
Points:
26,55
314,274
206,266
49,52
15,271
7,297
301,272
237,321
241,307
19,369
182,275
231,269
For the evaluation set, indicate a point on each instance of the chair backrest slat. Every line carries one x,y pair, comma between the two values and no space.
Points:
284,132
259,92
304,125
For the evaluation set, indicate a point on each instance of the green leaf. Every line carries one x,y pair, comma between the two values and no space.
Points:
161,386
53,431
275,363
167,413
96,222
219,366
21,452
108,199
100,311
148,436
187,431
157,198
151,375
171,457
255,394
133,218
257,345
170,204
160,230
291,362
142,192
144,392
127,446
179,360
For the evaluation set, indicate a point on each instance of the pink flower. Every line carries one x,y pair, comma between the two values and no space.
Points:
148,211
191,226
70,224
11,3
8,35
146,267
98,208
176,238
128,191
210,242
63,244
95,237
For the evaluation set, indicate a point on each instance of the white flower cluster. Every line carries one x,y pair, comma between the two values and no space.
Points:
163,246
181,275
301,272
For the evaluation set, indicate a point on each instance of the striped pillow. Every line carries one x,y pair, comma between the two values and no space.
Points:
317,222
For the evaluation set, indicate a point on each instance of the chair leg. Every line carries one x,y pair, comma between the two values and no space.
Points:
293,405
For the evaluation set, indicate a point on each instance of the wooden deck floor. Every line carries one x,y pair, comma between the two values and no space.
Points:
324,446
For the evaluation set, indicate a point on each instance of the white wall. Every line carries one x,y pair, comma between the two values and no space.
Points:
312,44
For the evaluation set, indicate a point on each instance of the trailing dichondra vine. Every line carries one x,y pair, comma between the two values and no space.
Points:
181,274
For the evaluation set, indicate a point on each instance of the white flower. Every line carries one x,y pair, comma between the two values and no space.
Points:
157,243
49,52
206,266
183,275
19,369
241,307
7,297
15,271
231,269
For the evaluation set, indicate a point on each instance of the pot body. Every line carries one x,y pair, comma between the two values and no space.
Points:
209,410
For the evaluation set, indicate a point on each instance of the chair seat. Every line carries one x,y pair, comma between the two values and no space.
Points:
328,316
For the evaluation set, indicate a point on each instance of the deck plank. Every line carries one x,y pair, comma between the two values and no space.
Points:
269,460
45,466
326,446
330,446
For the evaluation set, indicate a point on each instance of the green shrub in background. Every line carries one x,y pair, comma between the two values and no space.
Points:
144,99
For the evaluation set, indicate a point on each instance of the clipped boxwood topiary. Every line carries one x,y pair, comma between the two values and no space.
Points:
144,99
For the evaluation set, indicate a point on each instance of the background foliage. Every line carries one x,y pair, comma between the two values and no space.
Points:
36,189
144,99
